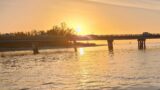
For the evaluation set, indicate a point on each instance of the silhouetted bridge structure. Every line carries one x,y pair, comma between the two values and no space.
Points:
141,38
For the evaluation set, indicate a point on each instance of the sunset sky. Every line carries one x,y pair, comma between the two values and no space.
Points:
89,16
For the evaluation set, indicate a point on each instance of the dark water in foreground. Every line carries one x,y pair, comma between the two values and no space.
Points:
92,68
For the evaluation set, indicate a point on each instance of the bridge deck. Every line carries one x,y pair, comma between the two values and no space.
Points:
81,38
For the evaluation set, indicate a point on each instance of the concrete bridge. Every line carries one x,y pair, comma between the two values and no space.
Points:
141,39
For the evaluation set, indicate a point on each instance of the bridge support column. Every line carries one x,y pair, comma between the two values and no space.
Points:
110,44
35,48
75,45
141,44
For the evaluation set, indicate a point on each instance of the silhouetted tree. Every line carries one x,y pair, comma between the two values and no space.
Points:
59,31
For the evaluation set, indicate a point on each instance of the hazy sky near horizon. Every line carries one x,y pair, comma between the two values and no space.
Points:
91,16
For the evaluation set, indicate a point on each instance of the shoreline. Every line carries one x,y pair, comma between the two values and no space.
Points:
49,47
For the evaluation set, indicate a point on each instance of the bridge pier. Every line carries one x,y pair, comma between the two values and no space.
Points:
110,45
141,44
35,48
75,45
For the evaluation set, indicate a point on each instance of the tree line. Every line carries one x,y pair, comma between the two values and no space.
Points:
61,30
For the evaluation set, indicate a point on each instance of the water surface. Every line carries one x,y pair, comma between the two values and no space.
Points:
91,68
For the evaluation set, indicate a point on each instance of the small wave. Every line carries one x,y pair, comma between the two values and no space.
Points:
24,89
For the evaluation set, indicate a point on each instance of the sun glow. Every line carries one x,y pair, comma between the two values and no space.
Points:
79,24
78,29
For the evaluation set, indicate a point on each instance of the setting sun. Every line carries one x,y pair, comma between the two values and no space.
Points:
81,24
78,30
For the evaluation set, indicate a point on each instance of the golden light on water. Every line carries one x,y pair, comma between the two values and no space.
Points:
81,51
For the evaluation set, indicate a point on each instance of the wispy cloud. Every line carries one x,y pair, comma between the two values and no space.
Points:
145,4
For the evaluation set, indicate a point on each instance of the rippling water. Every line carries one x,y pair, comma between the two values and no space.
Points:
95,68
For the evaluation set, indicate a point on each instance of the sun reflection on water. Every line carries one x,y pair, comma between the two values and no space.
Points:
81,51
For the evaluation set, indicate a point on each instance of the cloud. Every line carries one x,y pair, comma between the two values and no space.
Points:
143,4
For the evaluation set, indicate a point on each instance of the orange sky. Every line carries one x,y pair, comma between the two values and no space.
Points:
90,16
